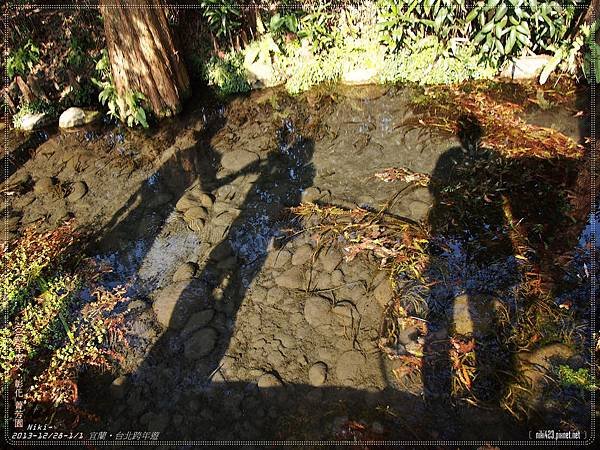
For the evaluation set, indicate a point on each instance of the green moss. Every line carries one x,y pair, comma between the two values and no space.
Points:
580,378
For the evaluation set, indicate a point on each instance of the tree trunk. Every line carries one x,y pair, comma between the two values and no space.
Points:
142,54
594,8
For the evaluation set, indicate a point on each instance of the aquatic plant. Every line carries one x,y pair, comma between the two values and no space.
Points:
580,378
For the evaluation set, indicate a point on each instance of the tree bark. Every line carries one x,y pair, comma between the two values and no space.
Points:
594,8
142,54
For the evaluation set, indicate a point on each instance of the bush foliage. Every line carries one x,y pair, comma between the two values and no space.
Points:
51,329
425,41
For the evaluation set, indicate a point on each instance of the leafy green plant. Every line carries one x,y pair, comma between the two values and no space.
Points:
227,74
223,17
319,28
508,29
22,60
591,61
433,63
130,108
134,111
405,22
261,49
281,23
76,55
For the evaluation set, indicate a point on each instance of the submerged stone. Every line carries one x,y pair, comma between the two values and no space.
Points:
175,303
317,374
78,191
201,343
474,314
238,159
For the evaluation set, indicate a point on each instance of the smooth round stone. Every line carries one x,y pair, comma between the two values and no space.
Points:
349,365
78,191
185,272
201,343
175,303
198,320
71,117
317,374
302,255
44,185
197,212
268,380
317,311
238,159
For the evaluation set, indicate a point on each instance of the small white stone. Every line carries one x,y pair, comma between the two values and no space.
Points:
32,121
525,67
72,117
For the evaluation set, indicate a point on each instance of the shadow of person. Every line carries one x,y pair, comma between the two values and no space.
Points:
468,233
500,228
200,313
180,387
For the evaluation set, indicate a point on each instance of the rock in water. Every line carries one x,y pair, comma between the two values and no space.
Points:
238,159
474,314
302,255
175,303
32,121
317,374
201,343
185,272
198,320
72,117
535,364
78,191
348,366
118,388
291,279
44,185
384,292
194,197
268,380
330,259
317,311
